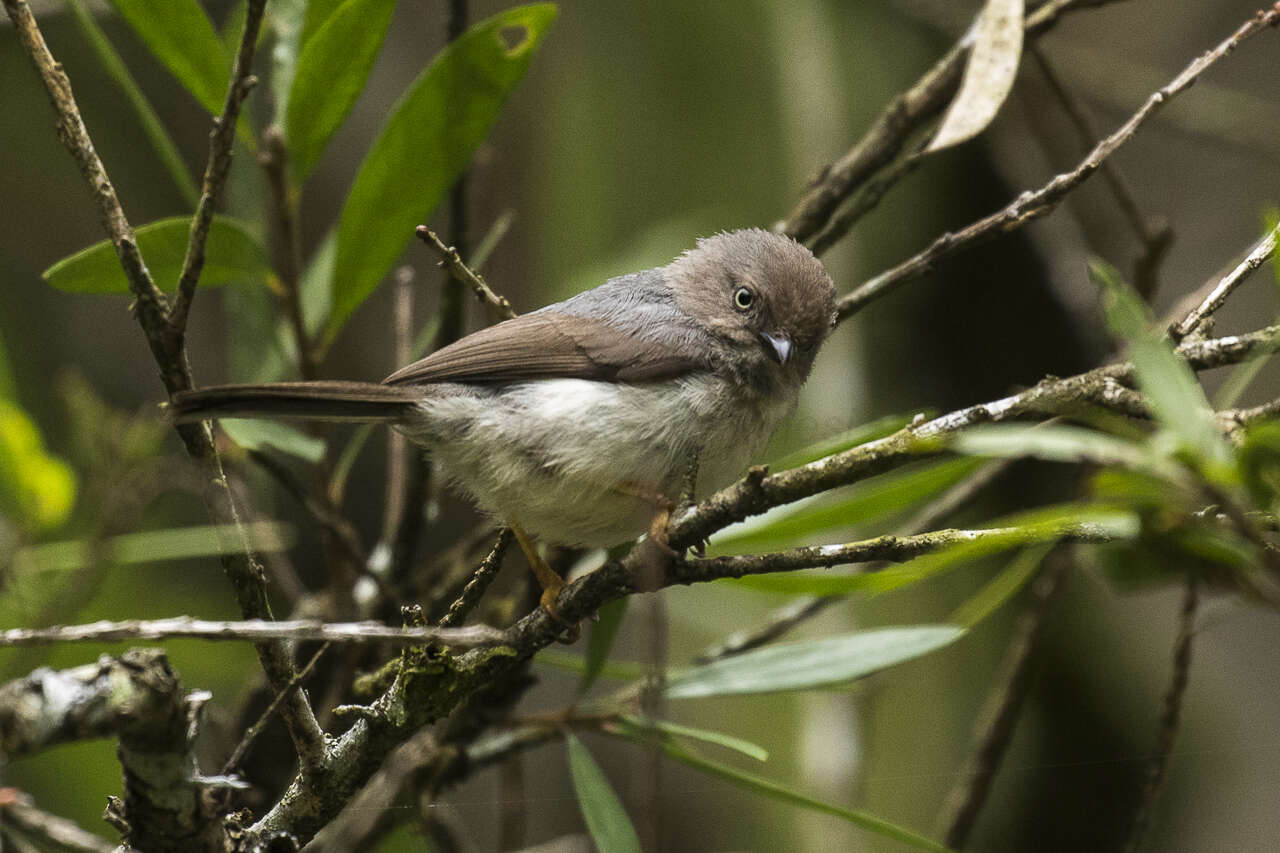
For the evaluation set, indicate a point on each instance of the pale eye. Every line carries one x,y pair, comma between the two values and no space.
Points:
744,298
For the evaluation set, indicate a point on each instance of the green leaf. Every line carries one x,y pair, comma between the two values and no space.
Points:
180,35
873,500
769,788
165,148
1175,395
1053,443
256,435
1259,461
600,641
181,543
607,821
8,388
642,727
318,11
861,434
36,488
1002,587
332,69
428,141
612,669
813,663
233,255
1014,531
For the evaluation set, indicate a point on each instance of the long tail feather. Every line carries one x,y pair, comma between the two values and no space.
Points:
321,400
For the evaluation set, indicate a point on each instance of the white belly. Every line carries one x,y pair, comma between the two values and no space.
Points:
569,460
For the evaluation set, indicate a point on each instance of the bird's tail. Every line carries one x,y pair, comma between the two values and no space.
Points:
326,400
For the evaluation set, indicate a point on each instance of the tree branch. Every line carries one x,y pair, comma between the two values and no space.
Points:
453,263
221,140
138,699
1261,253
20,818
896,124
1034,204
252,630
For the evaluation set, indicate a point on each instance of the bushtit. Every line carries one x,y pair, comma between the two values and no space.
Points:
571,423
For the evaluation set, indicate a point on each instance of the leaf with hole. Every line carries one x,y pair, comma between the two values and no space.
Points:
428,141
232,256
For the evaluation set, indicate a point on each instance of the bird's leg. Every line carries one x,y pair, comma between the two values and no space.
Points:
552,584
663,506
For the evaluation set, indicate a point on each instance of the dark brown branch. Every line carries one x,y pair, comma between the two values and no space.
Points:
1034,204
453,263
484,575
39,830
233,762
274,159
998,719
242,569
221,140
906,114
1170,718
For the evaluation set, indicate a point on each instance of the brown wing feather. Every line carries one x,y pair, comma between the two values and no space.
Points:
543,345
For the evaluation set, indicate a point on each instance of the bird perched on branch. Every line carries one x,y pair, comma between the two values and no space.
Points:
575,423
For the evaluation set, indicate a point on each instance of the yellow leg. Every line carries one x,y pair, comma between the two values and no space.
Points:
663,506
552,584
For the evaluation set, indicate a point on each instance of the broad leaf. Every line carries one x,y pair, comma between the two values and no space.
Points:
233,255
318,11
988,75
776,791
813,663
331,72
179,34
428,141
1002,587
600,641
606,820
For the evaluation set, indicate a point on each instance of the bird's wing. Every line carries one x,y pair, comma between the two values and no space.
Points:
550,344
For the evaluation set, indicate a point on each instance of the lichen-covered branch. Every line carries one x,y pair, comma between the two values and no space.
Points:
137,699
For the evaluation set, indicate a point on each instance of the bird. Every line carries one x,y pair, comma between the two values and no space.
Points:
577,423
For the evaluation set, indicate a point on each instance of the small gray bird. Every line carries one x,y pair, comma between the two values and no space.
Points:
575,423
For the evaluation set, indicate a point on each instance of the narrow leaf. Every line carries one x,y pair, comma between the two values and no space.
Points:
606,820
637,727
612,669
868,502
813,663
1053,443
180,35
774,790
181,543
331,72
1176,397
852,437
600,642
318,11
1002,587
234,255
256,435
988,76
429,139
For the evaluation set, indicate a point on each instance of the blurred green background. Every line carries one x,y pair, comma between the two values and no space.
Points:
639,127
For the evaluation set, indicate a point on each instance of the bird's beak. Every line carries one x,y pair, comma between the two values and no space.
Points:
777,346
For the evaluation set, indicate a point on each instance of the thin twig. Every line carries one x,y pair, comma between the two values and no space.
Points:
233,762
242,569
906,114
221,139
1000,716
453,263
1034,204
399,456
44,831
1155,234
1260,254
274,159
250,630
484,575
1170,718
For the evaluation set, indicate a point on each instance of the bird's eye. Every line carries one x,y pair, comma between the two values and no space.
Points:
744,298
